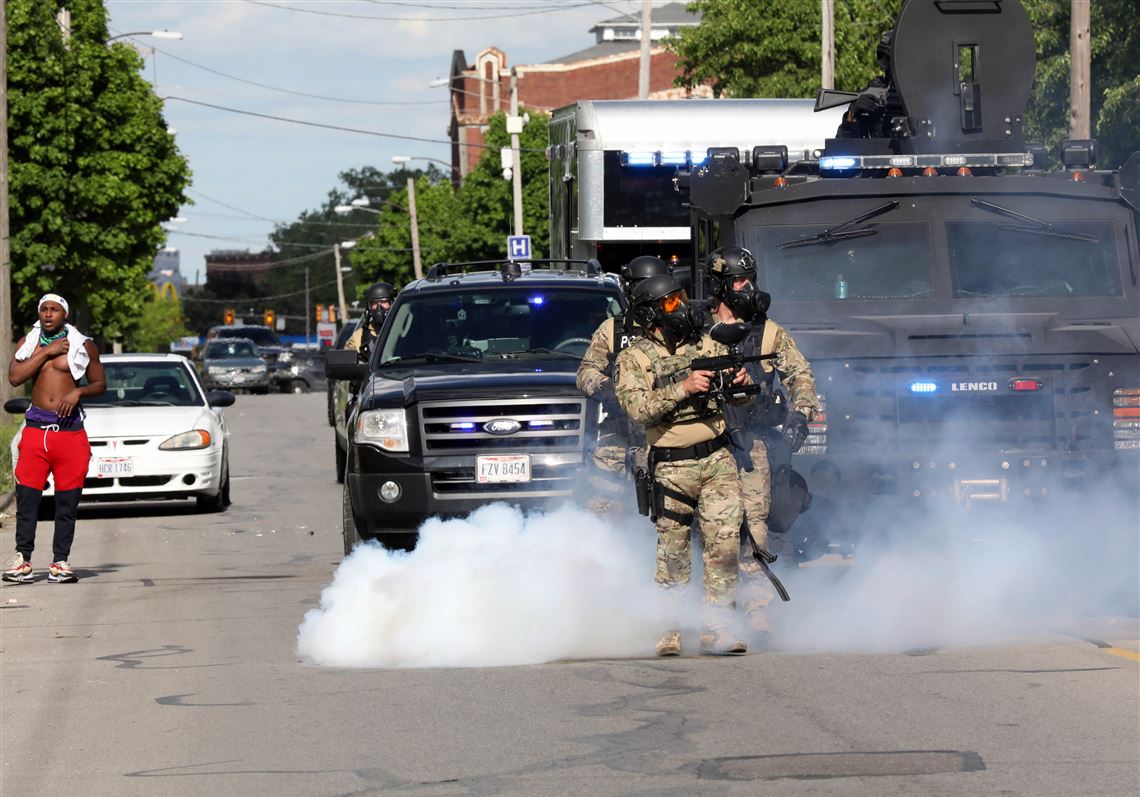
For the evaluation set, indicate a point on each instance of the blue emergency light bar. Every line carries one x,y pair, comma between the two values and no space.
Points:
844,163
923,387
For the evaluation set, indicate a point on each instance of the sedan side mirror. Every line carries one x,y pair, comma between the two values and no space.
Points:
17,406
219,398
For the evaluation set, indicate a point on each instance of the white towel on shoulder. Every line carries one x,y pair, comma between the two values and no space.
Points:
77,357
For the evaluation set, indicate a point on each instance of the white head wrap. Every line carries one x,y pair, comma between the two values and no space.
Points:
54,297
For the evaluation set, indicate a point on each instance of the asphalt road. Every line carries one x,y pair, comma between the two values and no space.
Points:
171,668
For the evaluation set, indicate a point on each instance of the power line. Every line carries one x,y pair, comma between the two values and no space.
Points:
325,126
560,7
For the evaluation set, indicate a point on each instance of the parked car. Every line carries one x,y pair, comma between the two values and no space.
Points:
155,434
277,355
233,363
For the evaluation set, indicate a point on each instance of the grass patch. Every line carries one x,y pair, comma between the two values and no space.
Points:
8,426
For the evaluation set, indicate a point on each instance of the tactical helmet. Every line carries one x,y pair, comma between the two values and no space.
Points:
660,301
379,291
883,51
723,267
640,268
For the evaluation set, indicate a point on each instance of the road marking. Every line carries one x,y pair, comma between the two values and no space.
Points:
1123,653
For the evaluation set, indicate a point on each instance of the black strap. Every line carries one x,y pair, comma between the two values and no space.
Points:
698,451
679,497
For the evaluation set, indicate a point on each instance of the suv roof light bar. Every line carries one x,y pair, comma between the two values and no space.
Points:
590,268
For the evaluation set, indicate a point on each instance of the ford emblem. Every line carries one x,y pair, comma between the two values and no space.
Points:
501,426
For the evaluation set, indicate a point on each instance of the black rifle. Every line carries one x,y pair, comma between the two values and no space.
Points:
765,559
726,366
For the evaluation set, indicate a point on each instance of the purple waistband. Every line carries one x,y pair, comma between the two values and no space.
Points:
37,418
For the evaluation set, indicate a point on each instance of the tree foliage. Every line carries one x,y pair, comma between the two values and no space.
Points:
93,170
1115,95
159,323
743,48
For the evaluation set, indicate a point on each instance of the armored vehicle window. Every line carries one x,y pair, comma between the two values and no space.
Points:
496,322
1002,259
641,196
892,263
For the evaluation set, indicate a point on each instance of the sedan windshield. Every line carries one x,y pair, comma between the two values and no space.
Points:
503,322
147,384
259,335
229,350
889,261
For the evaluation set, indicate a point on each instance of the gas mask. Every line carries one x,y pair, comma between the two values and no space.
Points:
680,320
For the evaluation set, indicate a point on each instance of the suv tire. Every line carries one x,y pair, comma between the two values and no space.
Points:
350,523
341,461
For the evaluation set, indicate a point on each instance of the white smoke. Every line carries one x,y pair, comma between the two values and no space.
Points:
495,588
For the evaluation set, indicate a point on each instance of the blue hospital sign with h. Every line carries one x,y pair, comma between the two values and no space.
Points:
518,247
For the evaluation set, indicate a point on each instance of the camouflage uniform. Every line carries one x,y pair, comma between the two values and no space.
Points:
650,391
356,339
796,377
609,480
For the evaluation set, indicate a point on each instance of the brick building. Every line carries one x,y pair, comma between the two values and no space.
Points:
608,70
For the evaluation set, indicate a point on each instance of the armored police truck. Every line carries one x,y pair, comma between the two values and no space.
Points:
971,316
612,164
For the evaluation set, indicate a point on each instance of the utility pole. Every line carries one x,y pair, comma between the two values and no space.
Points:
308,308
339,284
827,75
6,341
417,265
514,127
1080,125
646,44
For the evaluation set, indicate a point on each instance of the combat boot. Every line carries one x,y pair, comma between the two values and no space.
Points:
720,641
669,644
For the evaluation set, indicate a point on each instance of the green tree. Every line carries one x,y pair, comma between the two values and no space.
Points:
1115,95
93,170
743,48
159,323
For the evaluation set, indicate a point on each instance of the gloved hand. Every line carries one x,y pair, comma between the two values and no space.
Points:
795,429
864,105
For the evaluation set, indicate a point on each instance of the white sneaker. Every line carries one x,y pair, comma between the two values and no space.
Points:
17,570
61,573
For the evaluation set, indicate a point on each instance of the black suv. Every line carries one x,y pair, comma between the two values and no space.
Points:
469,396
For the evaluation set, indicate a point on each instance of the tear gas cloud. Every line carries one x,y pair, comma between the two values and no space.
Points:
500,588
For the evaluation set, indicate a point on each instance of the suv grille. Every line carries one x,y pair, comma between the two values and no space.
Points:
459,427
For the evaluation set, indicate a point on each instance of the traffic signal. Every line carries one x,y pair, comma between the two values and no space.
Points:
229,316
320,313
332,313
270,319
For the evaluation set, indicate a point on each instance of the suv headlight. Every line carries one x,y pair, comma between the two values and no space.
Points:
257,369
385,428
285,357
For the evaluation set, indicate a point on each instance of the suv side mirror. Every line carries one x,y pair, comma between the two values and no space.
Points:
342,364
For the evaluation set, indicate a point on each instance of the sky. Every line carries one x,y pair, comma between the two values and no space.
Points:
361,64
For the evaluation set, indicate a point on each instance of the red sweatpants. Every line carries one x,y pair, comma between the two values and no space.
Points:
63,454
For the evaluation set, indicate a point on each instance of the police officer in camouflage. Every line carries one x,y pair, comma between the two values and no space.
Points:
692,469
377,302
731,275
621,444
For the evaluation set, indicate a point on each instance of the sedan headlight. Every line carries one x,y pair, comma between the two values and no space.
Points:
215,370
257,369
187,441
385,428
285,357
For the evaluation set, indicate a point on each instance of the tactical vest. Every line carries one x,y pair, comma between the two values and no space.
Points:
669,369
623,332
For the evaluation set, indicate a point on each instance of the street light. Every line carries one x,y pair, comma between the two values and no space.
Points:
344,210
158,34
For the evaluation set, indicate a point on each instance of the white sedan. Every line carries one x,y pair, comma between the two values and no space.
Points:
156,433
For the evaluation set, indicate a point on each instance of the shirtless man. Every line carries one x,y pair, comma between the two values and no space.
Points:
55,356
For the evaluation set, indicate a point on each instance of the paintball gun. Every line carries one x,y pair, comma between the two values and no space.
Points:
726,366
828,98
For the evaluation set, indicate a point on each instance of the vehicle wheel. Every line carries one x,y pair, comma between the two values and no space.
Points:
298,386
350,524
219,502
399,541
341,461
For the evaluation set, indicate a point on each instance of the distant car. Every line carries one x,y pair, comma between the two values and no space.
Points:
306,372
234,364
155,434
278,356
